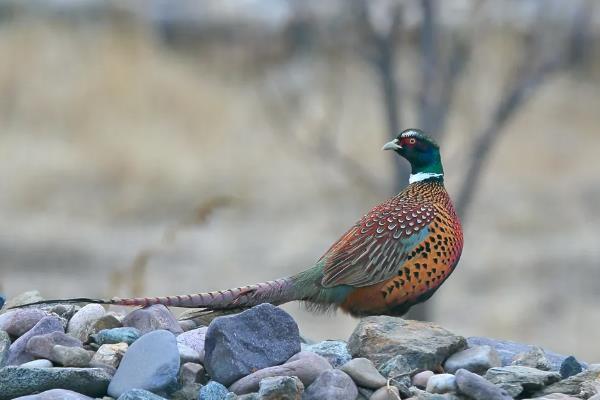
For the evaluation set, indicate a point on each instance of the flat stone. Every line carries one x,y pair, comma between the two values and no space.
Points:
569,367
213,391
139,394
580,385
109,354
478,388
281,388
56,394
82,323
534,358
17,322
41,363
4,348
41,345
386,393
31,296
195,339
363,373
560,396
476,359
187,325
152,318
187,354
17,381
190,373
151,363
334,351
237,345
306,365
107,321
420,380
423,345
18,350
517,380
331,384
441,383
116,335
70,356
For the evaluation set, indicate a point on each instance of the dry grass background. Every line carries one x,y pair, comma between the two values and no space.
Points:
110,140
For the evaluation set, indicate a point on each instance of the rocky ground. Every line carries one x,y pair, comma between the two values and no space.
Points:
81,352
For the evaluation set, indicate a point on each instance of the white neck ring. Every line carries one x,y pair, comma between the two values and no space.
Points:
421,176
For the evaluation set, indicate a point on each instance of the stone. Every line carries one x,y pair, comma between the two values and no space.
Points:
187,392
213,391
237,345
363,373
17,322
478,388
422,344
139,394
476,359
420,380
441,383
418,394
364,393
331,384
560,396
152,318
187,354
151,363
386,393
569,367
70,356
109,354
335,351
306,365
534,358
56,394
41,363
116,335
187,325
18,350
4,347
190,373
248,396
41,345
194,339
29,297
107,321
281,388
17,381
580,385
82,323
517,380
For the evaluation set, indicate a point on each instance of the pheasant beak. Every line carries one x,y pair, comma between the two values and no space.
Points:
393,145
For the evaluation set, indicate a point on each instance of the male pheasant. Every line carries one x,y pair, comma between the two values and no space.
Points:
396,255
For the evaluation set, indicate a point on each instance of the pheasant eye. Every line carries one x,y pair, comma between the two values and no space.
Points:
412,141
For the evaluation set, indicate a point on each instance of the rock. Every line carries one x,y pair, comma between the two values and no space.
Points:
187,325
195,339
187,354
151,319
17,322
17,381
478,388
307,366
560,396
420,379
441,383
139,394
190,373
187,392
65,311
70,356
334,351
4,347
363,373
422,344
281,388
249,396
18,351
580,385
109,354
534,358
569,367
398,370
517,380
151,363
331,384
41,345
476,359
41,363
56,394
116,335
82,323
107,321
32,296
238,345
364,393
418,394
386,393
213,391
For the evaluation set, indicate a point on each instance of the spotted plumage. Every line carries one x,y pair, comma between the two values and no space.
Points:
396,255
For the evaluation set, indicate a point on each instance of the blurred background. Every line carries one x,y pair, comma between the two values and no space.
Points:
156,147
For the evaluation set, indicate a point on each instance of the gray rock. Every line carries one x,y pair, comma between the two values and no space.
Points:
364,393
70,356
195,339
187,325
580,385
248,396
151,363
517,380
31,296
116,335
560,396
478,388
534,358
41,363
187,354
476,359
107,321
139,394
109,354
441,383
418,394
398,371
334,351
420,379
190,373
213,391
41,345
260,337
4,347
423,345
17,322
187,392
363,373
82,323
17,381
331,384
281,388
386,393
151,319
56,394
569,367
18,350
307,366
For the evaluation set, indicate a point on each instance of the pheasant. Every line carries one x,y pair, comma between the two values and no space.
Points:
395,256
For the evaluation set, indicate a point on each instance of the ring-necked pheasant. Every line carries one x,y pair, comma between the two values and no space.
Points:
396,255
